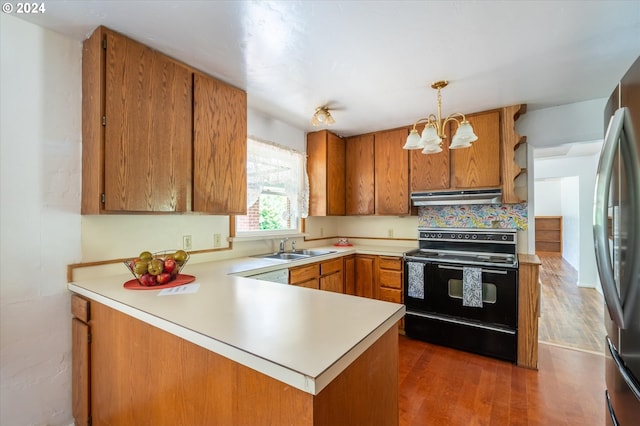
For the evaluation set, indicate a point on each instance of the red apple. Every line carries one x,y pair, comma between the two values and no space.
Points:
170,265
148,280
164,278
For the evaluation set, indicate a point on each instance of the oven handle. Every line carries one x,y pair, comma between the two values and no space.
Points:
459,321
488,271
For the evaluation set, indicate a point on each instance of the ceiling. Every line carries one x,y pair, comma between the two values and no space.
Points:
373,61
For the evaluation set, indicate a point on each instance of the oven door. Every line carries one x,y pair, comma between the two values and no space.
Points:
443,283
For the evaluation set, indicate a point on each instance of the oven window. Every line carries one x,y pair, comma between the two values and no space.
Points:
489,291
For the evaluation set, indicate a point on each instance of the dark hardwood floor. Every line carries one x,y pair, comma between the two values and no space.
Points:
442,386
570,316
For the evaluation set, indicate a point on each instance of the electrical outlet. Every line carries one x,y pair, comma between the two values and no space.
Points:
217,240
390,233
186,242
322,232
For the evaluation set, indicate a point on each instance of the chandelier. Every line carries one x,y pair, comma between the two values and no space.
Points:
433,133
322,116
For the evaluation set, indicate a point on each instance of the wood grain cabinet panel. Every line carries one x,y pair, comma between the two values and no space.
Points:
360,176
391,173
365,275
349,274
326,171
479,166
220,147
147,149
431,171
139,109
80,361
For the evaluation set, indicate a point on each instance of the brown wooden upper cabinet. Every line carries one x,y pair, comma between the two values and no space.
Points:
431,171
326,171
479,166
219,147
360,176
391,172
138,133
475,167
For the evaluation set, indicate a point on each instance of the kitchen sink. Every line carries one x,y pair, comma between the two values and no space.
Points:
298,254
283,256
314,252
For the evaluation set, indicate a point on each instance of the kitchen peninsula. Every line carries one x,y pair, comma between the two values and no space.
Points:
236,351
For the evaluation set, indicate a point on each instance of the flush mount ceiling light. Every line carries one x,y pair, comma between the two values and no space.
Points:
433,133
322,116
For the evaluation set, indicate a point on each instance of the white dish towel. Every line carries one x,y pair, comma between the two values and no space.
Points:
416,280
472,287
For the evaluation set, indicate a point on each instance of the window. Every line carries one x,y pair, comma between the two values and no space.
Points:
277,191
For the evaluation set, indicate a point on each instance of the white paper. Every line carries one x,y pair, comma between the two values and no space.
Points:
181,289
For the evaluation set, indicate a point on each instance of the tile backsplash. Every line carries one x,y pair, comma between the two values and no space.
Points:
475,216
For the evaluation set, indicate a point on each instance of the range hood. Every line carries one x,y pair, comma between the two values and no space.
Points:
457,197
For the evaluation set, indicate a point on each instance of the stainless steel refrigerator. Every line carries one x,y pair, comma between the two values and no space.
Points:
616,227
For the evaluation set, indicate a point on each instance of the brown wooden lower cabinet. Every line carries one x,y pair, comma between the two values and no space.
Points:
349,273
305,276
81,356
331,276
528,310
141,375
365,270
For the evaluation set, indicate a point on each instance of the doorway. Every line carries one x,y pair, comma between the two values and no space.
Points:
571,306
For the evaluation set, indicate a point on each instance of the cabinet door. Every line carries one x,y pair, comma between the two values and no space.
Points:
391,173
359,181
365,267
326,170
333,282
80,372
349,273
219,147
148,111
479,166
430,171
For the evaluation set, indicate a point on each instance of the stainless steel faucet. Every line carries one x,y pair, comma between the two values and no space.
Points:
282,241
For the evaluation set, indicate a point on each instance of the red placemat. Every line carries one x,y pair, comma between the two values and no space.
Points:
180,280
343,245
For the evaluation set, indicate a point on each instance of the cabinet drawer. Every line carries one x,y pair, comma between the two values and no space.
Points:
390,295
391,279
80,308
303,273
393,263
331,266
312,283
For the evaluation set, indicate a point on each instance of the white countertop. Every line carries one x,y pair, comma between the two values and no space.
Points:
300,336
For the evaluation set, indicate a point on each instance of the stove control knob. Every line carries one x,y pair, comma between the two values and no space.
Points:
466,236
439,235
474,237
504,238
453,235
459,235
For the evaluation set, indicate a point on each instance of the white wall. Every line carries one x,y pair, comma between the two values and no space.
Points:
571,218
40,82
548,199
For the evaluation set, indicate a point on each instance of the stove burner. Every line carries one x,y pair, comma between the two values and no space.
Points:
488,247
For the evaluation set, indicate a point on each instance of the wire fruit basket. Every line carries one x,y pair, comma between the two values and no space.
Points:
159,268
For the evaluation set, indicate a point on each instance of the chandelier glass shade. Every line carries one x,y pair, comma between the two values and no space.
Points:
322,116
430,142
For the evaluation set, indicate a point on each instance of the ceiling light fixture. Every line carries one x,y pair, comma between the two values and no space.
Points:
322,116
433,133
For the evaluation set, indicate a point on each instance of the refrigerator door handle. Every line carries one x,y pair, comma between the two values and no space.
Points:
627,375
600,216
